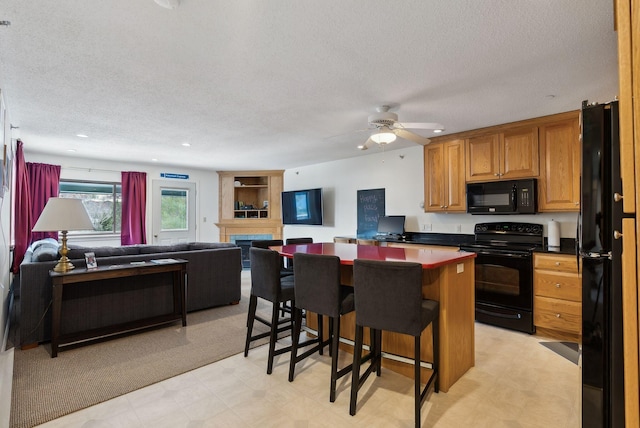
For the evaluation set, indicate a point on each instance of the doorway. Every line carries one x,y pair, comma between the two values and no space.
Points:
174,212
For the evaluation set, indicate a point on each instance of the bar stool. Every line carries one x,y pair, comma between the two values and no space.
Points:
388,296
318,289
267,284
291,241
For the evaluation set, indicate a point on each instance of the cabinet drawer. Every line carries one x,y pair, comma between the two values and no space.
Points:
558,285
559,262
557,314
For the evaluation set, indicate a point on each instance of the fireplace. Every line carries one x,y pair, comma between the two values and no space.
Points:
244,242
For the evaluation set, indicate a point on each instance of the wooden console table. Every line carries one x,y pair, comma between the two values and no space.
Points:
79,276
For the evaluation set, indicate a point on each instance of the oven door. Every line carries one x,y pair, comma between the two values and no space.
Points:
504,278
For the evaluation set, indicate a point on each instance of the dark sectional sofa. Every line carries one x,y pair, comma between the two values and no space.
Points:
213,279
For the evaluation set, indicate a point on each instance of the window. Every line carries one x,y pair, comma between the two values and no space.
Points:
173,209
102,200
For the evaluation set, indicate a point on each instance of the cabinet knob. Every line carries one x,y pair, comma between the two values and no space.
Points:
446,206
557,263
496,174
557,285
577,203
617,197
557,315
441,206
617,235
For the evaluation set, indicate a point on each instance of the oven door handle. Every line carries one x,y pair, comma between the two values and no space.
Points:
488,253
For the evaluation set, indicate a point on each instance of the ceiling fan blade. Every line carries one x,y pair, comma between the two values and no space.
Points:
366,144
417,125
402,133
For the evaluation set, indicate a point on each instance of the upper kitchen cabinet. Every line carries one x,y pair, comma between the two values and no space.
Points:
444,186
559,183
508,155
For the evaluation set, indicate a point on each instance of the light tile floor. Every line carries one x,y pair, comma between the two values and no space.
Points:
516,382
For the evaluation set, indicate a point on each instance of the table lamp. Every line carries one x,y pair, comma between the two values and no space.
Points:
63,215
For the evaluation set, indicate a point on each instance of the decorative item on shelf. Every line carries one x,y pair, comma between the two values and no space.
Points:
237,183
265,205
90,259
63,215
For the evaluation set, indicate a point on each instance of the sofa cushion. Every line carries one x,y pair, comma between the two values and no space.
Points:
45,253
150,249
209,245
77,252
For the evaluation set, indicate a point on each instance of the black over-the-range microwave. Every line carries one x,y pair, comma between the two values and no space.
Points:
502,197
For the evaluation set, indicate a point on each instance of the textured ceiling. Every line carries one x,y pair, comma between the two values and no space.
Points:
279,84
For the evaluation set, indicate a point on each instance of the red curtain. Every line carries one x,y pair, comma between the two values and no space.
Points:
22,213
134,205
44,183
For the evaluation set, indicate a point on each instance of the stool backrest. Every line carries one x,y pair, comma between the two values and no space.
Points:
266,243
265,273
299,241
317,283
388,295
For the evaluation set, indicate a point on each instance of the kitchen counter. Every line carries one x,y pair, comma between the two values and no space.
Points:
567,246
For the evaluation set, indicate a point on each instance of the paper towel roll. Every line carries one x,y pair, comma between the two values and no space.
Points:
553,234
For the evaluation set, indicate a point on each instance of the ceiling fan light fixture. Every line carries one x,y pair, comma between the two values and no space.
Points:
384,137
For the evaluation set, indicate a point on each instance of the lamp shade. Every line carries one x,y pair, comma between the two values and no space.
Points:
384,136
63,214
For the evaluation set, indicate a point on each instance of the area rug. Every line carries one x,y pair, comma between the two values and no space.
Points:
46,388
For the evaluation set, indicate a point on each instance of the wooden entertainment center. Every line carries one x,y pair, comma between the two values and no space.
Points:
249,203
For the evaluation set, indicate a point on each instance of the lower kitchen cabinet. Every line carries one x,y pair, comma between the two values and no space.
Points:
557,287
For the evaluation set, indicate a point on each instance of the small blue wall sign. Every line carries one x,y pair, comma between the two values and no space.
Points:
172,175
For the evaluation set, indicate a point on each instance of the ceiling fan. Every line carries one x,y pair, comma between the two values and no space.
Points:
386,129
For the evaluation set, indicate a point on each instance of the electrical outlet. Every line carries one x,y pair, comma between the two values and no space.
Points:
426,227
458,228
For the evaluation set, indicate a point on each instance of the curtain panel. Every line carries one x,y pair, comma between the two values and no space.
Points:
22,214
44,183
134,205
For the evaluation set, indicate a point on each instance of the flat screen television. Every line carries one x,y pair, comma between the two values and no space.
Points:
391,225
302,207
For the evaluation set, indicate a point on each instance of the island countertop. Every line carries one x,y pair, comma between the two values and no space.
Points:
429,258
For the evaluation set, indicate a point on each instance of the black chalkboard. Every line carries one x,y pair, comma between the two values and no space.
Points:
370,207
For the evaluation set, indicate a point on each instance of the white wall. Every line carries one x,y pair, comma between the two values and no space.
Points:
88,169
400,172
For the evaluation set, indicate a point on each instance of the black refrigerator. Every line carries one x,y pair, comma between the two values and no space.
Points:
600,254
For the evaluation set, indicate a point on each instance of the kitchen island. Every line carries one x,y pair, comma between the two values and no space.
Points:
448,277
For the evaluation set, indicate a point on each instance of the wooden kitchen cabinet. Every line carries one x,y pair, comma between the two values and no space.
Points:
510,154
557,306
444,184
559,183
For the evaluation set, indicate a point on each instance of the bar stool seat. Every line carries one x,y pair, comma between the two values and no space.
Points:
388,296
318,289
267,284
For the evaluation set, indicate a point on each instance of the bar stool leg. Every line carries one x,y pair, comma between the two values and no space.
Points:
295,340
355,375
273,337
253,303
333,350
417,391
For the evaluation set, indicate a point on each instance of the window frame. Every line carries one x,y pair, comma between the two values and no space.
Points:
115,185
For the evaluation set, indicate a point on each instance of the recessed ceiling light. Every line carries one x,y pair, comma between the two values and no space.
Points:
186,144
437,131
71,150
82,136
154,160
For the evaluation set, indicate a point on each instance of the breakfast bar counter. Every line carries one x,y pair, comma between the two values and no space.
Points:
448,278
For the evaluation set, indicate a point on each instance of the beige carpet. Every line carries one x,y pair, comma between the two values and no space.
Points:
46,388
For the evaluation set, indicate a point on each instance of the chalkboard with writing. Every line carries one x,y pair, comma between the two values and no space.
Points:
370,207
